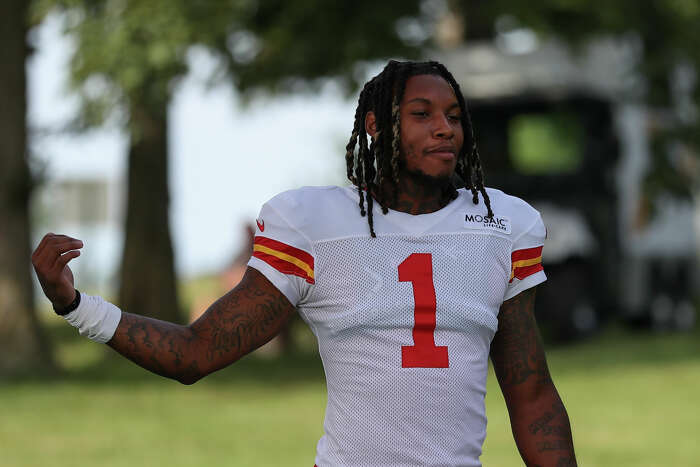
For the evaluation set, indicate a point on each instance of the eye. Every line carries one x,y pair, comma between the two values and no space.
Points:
420,113
455,118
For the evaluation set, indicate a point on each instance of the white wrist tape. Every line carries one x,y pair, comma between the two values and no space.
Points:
95,318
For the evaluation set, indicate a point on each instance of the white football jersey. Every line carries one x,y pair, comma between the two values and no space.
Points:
404,321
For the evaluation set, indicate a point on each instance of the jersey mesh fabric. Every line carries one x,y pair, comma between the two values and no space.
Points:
382,411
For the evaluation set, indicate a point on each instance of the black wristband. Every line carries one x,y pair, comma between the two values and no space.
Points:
74,304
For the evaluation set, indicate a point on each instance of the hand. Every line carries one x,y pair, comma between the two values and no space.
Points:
50,261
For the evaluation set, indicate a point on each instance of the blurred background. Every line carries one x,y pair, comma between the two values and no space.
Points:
154,131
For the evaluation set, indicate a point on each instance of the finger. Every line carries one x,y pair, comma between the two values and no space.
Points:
60,238
51,251
46,259
66,258
43,257
42,244
49,240
61,248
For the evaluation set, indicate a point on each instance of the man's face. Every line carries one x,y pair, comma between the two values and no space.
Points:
431,127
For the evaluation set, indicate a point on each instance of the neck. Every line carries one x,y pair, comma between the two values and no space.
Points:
418,194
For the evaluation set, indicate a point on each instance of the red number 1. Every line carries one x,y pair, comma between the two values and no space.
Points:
418,269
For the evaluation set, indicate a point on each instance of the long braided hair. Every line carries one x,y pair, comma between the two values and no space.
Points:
374,169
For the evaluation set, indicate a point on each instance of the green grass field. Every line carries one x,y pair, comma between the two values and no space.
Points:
633,401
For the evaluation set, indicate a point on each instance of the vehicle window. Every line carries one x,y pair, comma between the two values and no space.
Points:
542,144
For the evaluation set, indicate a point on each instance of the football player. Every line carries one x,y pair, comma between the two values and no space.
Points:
409,284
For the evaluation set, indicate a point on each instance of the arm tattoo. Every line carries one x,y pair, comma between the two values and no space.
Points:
543,425
516,350
538,417
242,320
156,345
555,445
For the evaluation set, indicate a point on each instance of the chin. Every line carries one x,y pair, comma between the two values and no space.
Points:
437,178
441,172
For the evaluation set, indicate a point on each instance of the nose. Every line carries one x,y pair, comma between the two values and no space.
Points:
442,128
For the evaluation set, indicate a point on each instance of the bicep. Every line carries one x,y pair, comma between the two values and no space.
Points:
245,318
516,350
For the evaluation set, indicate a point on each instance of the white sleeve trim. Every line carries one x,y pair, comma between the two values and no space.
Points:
524,284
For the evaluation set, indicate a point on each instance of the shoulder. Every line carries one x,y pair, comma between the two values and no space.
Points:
317,211
521,215
304,196
309,199
510,204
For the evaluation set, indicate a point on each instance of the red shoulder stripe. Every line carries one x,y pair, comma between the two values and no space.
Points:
525,262
285,258
526,253
284,248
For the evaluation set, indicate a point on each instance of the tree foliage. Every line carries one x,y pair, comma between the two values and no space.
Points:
129,56
125,46
277,42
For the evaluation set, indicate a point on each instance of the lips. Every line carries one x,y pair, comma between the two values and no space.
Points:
446,152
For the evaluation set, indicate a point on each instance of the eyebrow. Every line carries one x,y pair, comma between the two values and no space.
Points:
423,100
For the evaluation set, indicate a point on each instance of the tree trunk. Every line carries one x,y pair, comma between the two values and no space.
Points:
148,282
22,345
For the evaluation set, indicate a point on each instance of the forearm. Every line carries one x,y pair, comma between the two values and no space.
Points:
236,324
538,418
167,349
242,320
542,430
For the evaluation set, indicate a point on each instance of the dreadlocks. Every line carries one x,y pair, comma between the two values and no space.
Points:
374,169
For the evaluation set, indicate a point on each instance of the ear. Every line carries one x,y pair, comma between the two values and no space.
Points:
371,124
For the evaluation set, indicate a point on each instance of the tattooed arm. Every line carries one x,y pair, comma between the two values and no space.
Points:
538,418
242,320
